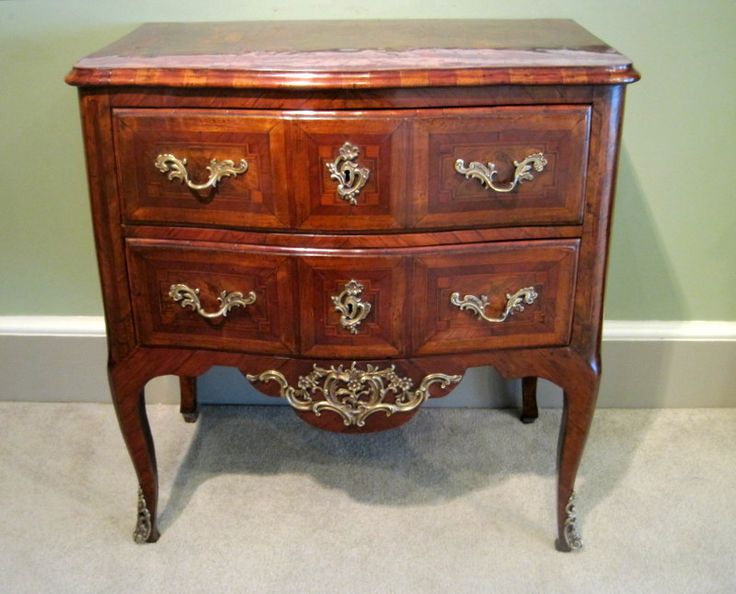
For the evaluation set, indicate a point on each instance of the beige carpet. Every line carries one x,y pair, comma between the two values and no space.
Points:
253,500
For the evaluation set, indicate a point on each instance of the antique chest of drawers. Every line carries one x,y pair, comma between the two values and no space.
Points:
353,214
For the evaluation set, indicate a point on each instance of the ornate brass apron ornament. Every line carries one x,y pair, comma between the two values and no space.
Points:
354,393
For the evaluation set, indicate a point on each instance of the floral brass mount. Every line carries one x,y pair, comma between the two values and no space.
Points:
572,536
486,174
353,393
352,310
188,297
514,302
350,176
143,522
177,170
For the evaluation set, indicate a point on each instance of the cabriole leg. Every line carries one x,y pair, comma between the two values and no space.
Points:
579,404
129,402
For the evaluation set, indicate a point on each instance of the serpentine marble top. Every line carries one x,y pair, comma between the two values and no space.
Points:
334,48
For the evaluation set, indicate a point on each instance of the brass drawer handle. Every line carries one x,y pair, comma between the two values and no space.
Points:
514,302
486,174
188,297
350,177
177,169
352,310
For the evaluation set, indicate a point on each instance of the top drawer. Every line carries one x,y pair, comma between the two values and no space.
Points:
354,171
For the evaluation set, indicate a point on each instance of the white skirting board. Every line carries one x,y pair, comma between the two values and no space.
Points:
646,364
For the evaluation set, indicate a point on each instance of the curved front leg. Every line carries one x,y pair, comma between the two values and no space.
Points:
128,398
580,394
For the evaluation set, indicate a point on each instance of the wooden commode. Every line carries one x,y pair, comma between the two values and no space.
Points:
353,214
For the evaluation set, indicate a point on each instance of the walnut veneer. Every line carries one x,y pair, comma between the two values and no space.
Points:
348,253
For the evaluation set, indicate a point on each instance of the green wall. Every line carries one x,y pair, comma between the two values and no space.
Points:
674,239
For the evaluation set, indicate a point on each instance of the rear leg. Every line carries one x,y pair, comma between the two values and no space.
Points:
529,410
188,390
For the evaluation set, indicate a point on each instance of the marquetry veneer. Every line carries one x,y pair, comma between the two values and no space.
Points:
353,214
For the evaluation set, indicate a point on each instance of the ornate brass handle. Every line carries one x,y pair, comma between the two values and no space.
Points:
350,177
177,169
352,310
189,297
514,302
486,174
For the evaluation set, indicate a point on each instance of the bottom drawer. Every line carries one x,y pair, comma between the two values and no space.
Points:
351,303
502,295
212,296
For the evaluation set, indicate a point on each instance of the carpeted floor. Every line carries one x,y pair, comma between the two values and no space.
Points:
253,500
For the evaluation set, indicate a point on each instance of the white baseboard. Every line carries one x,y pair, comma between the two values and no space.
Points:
647,364
74,326
649,330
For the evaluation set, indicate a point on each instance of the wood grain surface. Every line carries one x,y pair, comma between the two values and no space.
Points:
414,96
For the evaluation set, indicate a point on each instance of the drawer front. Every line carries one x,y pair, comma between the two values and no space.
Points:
175,290
349,303
345,171
477,141
353,305
524,289
254,195
349,170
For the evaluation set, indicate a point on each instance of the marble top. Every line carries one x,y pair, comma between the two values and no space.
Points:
334,46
